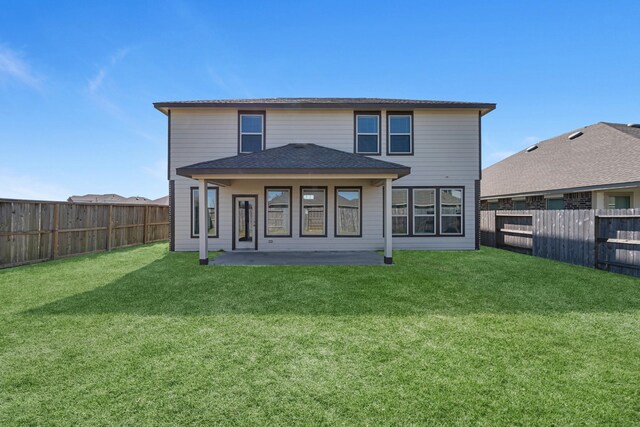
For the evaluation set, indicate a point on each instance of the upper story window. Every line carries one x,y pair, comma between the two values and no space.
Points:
400,132
367,132
251,131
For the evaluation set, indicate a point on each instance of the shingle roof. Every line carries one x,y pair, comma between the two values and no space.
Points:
606,154
295,159
324,103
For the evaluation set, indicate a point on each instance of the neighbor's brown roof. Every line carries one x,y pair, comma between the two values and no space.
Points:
606,154
324,103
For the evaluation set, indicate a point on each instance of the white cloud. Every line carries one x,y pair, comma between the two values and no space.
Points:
96,82
18,186
13,67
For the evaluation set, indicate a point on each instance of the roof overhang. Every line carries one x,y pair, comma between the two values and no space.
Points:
599,187
484,108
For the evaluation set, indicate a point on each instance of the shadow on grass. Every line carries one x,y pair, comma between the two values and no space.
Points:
441,283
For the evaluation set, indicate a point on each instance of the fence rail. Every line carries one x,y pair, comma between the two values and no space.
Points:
34,231
600,238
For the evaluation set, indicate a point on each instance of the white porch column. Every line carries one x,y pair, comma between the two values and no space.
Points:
388,246
203,238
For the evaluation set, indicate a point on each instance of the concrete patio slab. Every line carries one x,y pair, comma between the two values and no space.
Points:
299,258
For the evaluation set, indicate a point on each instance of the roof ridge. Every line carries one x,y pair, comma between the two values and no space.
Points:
620,130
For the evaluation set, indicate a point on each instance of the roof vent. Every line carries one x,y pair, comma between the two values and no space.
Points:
532,148
299,145
575,135
633,125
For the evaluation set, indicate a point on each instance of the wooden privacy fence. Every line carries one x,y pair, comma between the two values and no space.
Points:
603,238
33,231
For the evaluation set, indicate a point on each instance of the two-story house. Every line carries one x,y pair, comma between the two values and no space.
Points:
313,174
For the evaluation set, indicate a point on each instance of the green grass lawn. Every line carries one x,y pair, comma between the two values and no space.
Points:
146,337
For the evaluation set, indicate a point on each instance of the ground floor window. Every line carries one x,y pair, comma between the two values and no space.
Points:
400,211
278,212
451,211
434,211
348,212
313,211
520,205
212,211
616,201
424,211
555,204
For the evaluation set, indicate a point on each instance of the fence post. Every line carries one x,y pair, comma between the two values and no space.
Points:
596,229
146,221
109,227
54,231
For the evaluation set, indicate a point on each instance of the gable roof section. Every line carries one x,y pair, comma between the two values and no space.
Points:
606,154
295,159
352,103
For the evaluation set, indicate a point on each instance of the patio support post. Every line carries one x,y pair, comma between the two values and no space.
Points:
388,248
202,221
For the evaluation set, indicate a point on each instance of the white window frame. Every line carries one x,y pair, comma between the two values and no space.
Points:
288,222
261,133
413,211
406,190
358,133
461,215
410,134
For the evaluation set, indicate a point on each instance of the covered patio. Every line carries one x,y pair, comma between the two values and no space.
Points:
294,163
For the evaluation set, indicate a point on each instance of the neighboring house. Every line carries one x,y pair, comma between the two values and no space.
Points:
595,167
308,174
163,201
115,198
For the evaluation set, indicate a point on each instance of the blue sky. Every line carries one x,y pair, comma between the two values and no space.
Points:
77,79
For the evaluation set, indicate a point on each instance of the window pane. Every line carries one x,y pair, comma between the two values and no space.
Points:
212,214
313,208
424,224
399,225
520,205
367,143
278,212
399,202
367,124
400,144
451,225
555,204
493,206
424,202
252,124
451,202
399,211
348,214
400,124
619,202
251,143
